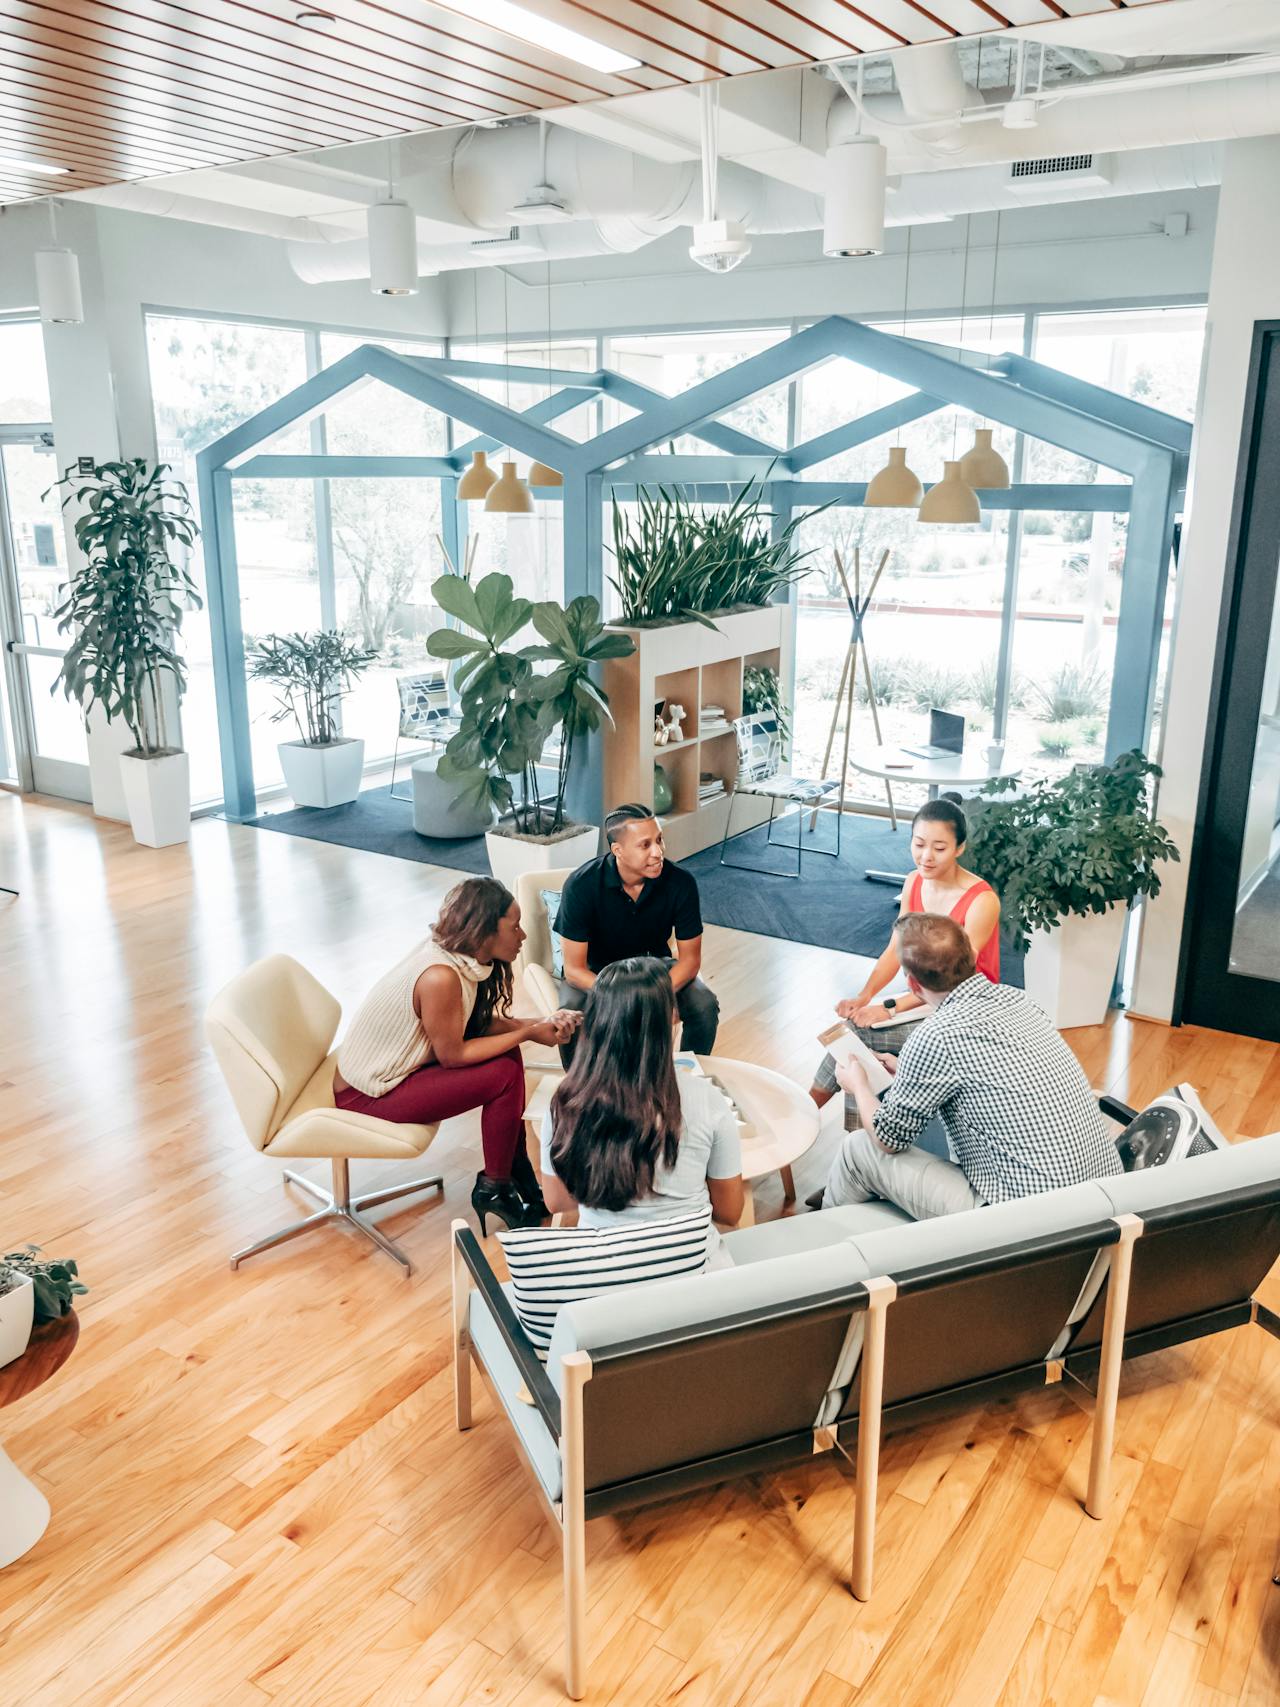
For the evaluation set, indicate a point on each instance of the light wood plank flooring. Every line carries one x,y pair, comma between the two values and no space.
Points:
258,1493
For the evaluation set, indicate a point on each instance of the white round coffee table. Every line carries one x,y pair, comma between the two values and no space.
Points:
781,1121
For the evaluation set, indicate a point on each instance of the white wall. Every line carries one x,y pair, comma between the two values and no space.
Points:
1244,288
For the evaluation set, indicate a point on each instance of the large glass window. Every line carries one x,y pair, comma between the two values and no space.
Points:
672,362
24,384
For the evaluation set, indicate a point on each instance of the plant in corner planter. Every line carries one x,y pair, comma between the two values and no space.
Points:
123,608
509,712
32,1292
1067,859
311,673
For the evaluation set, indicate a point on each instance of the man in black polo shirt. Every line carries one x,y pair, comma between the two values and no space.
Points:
631,902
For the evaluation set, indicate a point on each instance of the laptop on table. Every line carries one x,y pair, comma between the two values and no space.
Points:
946,737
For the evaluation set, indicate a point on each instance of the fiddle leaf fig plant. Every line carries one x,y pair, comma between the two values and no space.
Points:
123,607
509,710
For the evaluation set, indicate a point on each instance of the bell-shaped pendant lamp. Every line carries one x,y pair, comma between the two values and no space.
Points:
478,480
509,495
951,500
540,475
896,487
983,466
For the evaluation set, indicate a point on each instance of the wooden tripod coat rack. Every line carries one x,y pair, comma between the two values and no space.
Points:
858,608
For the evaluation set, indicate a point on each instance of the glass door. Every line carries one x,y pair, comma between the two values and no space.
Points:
1231,962
46,749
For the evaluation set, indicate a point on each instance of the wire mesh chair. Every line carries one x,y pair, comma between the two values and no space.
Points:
760,774
424,716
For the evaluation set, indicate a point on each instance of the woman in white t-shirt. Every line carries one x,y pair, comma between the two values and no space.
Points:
628,1138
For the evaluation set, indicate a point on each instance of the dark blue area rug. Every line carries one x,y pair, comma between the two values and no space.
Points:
831,906
378,824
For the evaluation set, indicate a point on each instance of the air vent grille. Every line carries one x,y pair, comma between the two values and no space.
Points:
501,241
1052,167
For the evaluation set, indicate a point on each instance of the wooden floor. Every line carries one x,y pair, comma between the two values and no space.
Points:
258,1492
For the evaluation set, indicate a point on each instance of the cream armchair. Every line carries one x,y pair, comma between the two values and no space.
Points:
535,957
271,1030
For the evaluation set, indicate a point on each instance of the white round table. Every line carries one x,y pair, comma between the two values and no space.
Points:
781,1121
969,769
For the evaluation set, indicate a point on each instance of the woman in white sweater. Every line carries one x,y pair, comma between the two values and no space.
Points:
436,1036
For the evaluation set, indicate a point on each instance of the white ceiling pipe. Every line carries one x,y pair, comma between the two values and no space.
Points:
1217,111
931,82
164,204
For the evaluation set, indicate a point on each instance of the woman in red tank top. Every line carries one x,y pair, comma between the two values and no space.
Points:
940,885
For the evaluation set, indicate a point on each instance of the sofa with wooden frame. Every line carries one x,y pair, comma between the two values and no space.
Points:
831,1327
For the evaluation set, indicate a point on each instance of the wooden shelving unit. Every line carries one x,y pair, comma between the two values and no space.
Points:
691,665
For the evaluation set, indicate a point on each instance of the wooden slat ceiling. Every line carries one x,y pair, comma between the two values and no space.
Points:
143,88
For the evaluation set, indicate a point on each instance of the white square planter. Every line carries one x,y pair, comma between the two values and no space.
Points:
322,776
17,1312
511,856
157,793
1069,971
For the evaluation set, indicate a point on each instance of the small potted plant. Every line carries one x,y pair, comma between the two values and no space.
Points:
510,712
32,1292
1067,859
312,672
123,608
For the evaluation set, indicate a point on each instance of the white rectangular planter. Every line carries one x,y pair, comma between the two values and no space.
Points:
1069,971
322,776
17,1312
510,857
157,793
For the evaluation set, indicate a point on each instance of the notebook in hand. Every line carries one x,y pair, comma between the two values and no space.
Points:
842,1045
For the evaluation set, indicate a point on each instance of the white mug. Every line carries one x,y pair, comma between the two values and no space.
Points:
995,755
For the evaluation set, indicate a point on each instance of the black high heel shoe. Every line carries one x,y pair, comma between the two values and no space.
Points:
527,1183
501,1199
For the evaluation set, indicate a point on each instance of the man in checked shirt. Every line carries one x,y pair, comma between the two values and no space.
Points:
1015,1105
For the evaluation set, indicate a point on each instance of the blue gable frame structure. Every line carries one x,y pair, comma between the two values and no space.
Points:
1148,447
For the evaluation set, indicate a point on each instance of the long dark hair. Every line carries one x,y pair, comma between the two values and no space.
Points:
469,915
616,1112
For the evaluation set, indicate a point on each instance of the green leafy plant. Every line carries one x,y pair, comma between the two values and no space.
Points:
123,607
1077,845
762,691
509,710
55,1282
312,672
678,561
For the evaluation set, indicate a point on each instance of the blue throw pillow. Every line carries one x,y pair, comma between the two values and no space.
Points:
551,902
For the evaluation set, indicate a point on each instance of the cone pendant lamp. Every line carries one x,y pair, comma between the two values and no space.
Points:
540,475
983,467
896,487
509,495
477,480
951,500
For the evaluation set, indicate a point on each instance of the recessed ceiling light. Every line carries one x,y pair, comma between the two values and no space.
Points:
513,20
34,165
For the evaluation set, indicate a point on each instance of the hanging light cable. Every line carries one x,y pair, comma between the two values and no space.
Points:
897,487
953,500
508,496
983,466
539,472
478,480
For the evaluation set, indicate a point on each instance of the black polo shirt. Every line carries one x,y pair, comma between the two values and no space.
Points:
596,909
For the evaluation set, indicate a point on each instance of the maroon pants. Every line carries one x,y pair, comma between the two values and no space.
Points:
434,1093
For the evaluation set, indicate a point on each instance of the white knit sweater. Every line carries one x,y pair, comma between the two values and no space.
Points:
385,1041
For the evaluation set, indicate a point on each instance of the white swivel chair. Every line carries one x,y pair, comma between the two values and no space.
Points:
535,957
271,1030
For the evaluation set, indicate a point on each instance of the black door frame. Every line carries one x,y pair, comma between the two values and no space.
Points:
1207,992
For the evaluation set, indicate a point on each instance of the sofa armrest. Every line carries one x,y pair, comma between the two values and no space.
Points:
517,1342
543,988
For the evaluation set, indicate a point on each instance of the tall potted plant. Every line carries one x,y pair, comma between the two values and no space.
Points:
1067,859
311,673
510,712
123,609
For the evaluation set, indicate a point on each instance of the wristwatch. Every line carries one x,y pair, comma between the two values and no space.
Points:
889,1003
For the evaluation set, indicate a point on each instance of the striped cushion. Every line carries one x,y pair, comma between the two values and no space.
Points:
553,1266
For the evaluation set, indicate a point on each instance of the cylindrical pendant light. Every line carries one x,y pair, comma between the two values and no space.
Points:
479,479
951,500
896,487
509,495
541,475
853,198
393,249
58,287
983,466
